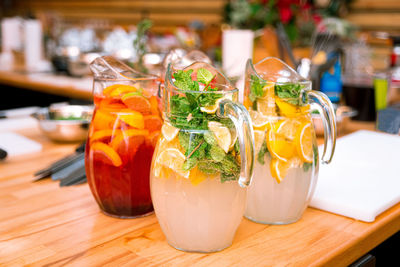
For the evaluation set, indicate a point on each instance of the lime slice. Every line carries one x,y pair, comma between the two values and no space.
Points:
213,108
169,132
222,134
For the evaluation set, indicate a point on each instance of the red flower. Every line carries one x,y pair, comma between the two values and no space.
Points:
317,18
285,14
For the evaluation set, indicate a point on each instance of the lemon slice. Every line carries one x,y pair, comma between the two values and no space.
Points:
169,132
266,104
259,137
173,159
304,142
279,147
260,122
279,169
287,128
269,90
213,108
222,134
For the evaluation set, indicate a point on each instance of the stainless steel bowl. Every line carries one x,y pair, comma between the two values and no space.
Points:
65,123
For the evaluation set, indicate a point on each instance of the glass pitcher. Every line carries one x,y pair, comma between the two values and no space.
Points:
122,136
280,103
203,161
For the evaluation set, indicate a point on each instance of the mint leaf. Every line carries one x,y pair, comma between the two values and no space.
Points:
184,138
204,76
208,99
290,92
189,164
228,177
308,165
210,139
217,153
208,167
256,88
262,152
200,146
183,80
229,167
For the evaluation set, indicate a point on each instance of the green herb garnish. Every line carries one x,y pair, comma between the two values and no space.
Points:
262,152
308,165
256,88
290,92
199,144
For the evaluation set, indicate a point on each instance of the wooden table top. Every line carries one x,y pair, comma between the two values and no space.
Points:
44,225
66,88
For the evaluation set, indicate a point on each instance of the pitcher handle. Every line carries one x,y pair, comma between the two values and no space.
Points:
321,103
244,129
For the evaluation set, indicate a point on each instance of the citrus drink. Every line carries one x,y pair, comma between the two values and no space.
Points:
287,156
124,131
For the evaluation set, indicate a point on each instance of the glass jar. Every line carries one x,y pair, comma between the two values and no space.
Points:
203,160
122,136
280,104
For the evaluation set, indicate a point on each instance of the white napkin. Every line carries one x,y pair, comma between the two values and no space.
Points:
363,179
17,145
17,123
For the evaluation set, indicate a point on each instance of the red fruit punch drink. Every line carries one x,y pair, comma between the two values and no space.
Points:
124,131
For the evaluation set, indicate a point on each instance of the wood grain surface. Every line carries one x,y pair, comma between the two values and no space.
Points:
21,80
42,224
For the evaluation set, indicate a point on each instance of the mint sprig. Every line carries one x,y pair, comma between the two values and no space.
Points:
199,144
289,92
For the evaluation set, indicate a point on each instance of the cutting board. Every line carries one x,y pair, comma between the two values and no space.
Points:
16,144
363,179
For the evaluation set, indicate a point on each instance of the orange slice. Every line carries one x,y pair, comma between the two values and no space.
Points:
127,142
152,123
120,90
111,104
107,91
279,169
152,139
196,176
106,154
104,135
104,120
304,142
132,118
136,102
154,105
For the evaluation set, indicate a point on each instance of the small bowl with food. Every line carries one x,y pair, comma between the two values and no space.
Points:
65,123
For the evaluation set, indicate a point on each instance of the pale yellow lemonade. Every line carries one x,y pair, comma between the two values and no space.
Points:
201,167
286,164
196,211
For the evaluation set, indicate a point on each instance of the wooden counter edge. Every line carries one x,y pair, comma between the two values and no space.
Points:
22,81
385,225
